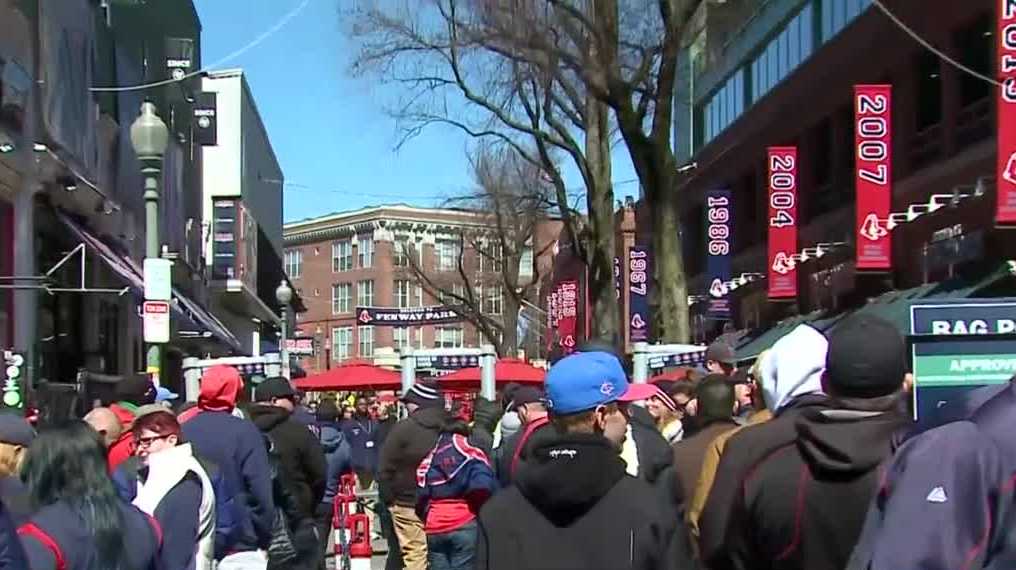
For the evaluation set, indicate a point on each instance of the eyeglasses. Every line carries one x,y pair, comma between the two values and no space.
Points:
143,442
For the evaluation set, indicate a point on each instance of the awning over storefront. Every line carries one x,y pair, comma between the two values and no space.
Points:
894,306
750,350
128,270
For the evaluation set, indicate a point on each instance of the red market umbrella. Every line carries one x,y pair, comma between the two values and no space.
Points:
505,370
352,375
673,375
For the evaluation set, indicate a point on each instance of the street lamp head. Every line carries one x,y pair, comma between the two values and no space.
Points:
149,134
283,294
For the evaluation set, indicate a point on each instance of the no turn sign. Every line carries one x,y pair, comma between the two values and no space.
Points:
156,321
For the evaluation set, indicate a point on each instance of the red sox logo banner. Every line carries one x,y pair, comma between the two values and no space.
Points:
568,300
782,222
1005,213
873,171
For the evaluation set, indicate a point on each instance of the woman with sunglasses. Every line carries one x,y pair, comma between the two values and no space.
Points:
80,522
165,480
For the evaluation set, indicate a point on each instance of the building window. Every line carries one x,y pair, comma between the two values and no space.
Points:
781,56
365,293
366,336
448,253
929,90
419,296
725,106
495,300
365,251
491,257
836,14
342,296
448,337
402,288
526,264
294,263
401,246
342,343
401,337
404,337
342,256
974,44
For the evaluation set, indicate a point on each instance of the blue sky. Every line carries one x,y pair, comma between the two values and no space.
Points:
331,134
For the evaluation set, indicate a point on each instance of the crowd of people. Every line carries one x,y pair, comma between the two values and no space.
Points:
807,460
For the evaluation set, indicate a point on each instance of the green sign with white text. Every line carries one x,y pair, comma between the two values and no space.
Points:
964,369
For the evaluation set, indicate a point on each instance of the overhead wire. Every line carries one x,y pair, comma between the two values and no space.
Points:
317,189
281,23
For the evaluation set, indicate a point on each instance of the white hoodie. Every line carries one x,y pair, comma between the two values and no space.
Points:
793,367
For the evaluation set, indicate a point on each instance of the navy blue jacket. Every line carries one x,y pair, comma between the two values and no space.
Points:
238,449
337,455
947,501
12,555
360,434
65,527
454,469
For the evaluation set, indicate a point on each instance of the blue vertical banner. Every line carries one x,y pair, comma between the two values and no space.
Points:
638,291
719,227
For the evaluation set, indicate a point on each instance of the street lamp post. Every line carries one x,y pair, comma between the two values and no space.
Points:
284,294
149,136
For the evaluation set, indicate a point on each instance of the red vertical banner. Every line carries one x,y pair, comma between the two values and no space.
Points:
568,303
1005,212
553,315
873,173
782,222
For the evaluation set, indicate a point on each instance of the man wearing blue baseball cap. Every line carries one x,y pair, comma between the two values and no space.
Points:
573,505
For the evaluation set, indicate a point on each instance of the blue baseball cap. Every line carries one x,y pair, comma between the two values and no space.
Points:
165,395
586,380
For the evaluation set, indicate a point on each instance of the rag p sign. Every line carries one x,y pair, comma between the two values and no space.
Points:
782,222
873,170
1005,212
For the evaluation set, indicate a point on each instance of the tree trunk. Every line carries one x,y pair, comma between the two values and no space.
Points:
509,347
600,247
657,171
670,285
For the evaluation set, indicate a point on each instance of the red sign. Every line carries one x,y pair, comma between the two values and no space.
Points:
553,316
1005,213
874,175
568,303
782,222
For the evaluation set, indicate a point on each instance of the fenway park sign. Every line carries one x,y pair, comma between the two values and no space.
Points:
395,317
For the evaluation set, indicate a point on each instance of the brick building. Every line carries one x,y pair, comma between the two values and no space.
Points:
346,260
782,74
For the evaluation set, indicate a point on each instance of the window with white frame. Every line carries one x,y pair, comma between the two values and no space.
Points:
419,295
401,337
402,247
365,251
449,337
495,300
491,256
526,264
342,343
366,337
342,297
342,256
447,254
365,293
294,263
402,293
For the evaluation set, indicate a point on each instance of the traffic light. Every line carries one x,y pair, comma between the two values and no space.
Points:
14,364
